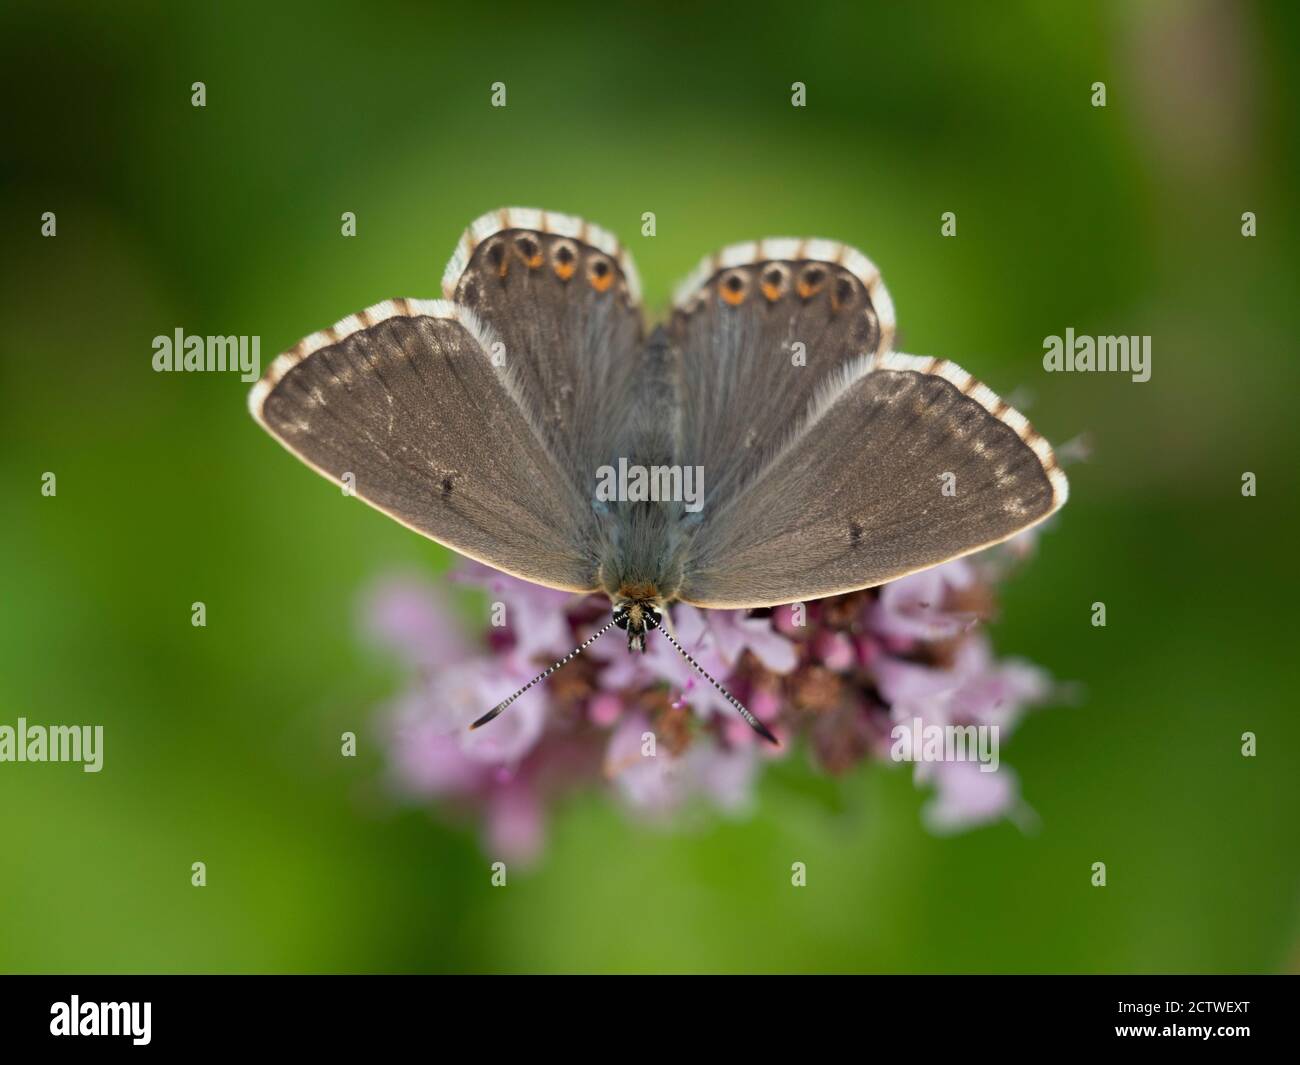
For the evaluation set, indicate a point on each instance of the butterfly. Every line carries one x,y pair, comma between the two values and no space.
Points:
828,462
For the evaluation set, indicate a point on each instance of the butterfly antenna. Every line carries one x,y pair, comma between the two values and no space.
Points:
544,674
754,722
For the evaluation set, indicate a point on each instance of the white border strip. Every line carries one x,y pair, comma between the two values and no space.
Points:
832,389
792,249
354,323
560,225
339,332
991,402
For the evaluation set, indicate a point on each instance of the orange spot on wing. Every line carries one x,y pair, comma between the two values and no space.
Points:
564,271
771,291
733,296
602,283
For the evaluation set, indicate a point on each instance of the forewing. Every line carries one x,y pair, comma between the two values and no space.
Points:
403,397
759,329
901,463
563,299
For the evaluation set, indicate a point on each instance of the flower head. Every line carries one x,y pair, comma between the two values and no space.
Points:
843,675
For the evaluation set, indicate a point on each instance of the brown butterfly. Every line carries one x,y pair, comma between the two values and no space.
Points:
828,463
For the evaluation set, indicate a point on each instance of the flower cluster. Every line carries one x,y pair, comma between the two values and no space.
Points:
837,674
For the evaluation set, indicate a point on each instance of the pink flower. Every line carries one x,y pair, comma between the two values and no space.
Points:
966,797
408,615
911,608
839,674
654,782
515,830
975,689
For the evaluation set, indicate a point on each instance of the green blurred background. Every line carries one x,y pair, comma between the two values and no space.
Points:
222,742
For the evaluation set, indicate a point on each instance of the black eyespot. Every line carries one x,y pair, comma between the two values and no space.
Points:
733,287
814,275
865,331
496,253
528,251
600,268
564,254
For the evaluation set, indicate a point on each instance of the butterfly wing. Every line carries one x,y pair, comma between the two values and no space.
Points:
402,405
832,464
477,420
759,328
563,298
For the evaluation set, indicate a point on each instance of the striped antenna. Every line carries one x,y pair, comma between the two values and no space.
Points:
545,673
754,722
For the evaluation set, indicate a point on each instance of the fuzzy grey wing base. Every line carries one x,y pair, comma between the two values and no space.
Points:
411,406
858,499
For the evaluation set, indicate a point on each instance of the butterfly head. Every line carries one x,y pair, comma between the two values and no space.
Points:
637,617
